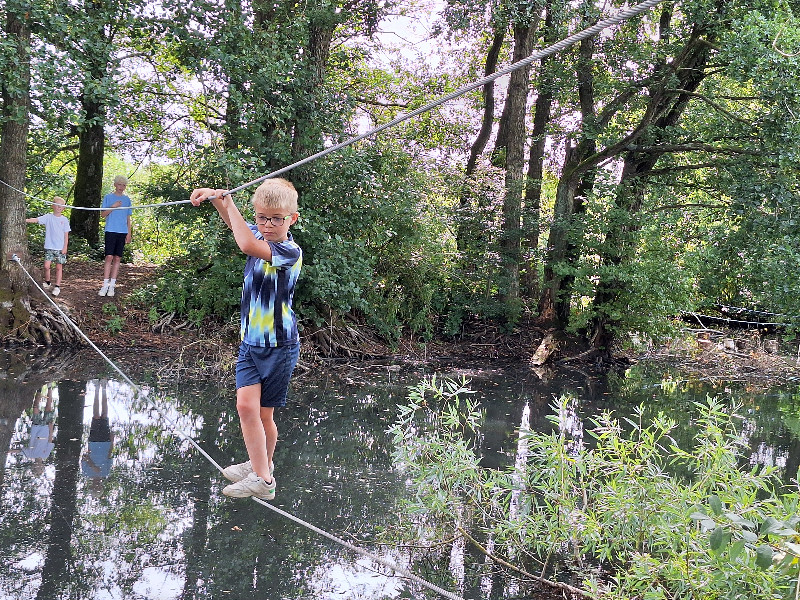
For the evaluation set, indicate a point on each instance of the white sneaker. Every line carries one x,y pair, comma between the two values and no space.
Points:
56,291
238,472
110,291
104,290
252,485
45,285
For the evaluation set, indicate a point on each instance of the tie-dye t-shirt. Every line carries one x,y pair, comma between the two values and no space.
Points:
267,291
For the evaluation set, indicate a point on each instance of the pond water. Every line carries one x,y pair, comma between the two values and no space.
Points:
134,511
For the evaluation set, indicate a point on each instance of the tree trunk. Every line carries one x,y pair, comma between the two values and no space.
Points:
515,110
307,134
619,245
15,87
487,91
63,508
466,231
89,174
554,304
557,240
529,278
91,129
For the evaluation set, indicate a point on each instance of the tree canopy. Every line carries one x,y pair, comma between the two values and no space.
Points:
644,172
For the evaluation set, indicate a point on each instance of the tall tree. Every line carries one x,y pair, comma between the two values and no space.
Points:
15,115
534,179
100,22
511,138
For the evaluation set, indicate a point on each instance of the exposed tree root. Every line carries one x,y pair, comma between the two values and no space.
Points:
339,339
23,321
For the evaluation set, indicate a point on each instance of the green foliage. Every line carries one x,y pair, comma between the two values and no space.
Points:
371,242
660,521
115,322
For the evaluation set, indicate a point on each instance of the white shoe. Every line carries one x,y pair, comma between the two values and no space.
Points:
104,290
110,291
238,472
252,485
45,285
56,291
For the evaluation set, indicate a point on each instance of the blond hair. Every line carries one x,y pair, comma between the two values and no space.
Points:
59,200
276,193
120,179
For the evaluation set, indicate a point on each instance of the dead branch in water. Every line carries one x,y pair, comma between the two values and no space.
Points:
554,584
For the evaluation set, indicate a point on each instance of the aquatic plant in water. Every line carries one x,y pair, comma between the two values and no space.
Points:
633,513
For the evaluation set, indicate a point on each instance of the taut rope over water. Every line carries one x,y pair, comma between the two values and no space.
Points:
138,391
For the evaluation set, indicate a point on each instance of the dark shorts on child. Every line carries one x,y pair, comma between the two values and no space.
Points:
100,430
271,367
115,243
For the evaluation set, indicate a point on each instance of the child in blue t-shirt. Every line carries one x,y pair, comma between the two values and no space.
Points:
270,345
56,240
117,213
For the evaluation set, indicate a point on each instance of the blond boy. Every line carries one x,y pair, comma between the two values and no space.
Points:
270,344
56,240
117,213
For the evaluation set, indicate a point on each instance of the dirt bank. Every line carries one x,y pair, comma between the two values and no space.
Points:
123,327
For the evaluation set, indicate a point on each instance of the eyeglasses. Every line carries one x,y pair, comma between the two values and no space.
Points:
276,221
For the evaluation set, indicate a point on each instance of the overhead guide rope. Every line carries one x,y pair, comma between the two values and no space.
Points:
553,49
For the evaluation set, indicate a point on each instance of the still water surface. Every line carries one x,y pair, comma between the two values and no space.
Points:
134,511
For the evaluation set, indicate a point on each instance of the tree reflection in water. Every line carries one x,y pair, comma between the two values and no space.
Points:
161,527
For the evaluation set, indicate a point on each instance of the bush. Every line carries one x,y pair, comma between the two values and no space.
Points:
658,521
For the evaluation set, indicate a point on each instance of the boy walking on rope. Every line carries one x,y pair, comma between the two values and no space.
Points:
270,344
117,232
56,240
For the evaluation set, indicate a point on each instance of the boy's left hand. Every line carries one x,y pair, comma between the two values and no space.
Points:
201,194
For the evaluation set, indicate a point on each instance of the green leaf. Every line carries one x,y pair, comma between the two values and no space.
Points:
736,549
716,504
764,556
717,539
749,536
771,525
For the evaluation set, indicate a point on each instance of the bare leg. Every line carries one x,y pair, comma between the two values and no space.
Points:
48,407
59,273
104,401
107,267
248,404
47,270
270,431
115,266
37,400
96,404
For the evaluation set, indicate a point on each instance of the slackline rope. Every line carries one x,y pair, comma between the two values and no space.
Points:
621,16
138,391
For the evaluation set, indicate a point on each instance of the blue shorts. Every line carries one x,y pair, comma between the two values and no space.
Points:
271,367
115,243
